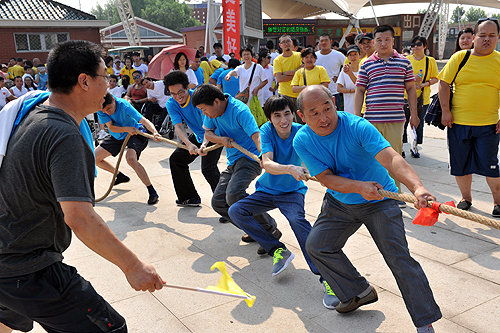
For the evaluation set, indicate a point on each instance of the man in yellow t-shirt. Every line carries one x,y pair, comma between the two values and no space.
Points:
284,68
472,120
16,70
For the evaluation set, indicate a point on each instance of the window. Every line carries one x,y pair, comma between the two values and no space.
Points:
416,21
39,42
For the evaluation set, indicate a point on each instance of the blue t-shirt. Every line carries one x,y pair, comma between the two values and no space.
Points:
349,151
199,75
124,116
237,123
232,87
217,73
42,82
283,153
191,115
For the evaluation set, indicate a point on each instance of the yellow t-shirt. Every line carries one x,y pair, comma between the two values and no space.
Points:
207,70
128,72
476,98
110,70
432,72
14,71
317,75
284,64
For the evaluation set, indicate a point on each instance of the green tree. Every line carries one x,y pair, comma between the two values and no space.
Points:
474,14
458,14
106,12
169,13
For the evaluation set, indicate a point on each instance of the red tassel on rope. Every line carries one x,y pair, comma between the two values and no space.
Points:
428,216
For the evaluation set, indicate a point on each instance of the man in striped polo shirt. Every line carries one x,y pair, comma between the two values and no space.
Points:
384,77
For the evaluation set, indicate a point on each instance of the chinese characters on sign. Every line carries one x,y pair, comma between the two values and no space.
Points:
289,29
231,10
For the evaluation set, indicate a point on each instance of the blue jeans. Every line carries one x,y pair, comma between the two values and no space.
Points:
337,222
232,187
291,205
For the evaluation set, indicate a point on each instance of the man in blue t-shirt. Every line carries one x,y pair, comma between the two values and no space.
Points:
228,120
351,158
198,71
282,187
122,119
232,86
181,109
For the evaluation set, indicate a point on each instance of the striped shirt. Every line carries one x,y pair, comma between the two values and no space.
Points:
385,87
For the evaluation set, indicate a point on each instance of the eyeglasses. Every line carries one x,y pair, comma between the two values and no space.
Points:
288,41
179,93
104,76
417,44
136,77
269,57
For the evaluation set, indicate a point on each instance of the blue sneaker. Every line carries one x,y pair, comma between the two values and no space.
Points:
330,301
281,258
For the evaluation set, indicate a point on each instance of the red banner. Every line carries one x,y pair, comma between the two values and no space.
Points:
231,14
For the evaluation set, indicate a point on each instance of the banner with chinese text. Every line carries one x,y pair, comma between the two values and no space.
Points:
231,14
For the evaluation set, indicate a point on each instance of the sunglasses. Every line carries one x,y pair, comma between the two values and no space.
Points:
136,77
484,19
417,44
268,57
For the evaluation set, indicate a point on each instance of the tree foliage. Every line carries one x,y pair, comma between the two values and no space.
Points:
474,14
168,13
458,14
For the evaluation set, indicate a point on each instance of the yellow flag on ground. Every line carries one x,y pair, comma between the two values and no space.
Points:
227,285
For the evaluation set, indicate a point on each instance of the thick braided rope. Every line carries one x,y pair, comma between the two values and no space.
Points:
446,209
206,150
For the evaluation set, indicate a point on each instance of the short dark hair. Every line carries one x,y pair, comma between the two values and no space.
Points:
217,45
419,38
233,63
198,54
178,57
350,37
270,44
246,48
1,78
107,60
20,77
335,43
176,77
135,72
481,21
40,65
326,35
206,94
108,99
19,59
113,76
27,67
308,50
262,54
276,103
383,28
78,55
295,42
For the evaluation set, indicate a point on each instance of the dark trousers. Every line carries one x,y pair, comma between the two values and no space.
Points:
179,168
152,109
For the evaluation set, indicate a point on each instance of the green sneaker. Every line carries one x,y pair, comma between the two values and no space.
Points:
330,301
281,258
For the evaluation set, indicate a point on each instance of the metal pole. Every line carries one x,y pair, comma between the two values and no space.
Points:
373,9
207,24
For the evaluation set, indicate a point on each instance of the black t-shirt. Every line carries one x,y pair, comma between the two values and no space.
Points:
47,161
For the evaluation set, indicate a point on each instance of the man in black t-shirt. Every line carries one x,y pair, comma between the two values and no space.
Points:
47,191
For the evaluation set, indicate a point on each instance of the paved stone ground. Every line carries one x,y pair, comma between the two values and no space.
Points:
461,259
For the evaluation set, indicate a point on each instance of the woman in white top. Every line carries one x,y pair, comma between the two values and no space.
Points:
346,83
268,90
28,83
244,73
181,63
18,89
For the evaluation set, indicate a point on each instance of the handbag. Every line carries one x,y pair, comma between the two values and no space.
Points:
257,111
434,111
243,95
420,99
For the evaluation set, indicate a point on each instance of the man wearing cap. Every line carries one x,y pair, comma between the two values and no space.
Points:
218,53
332,61
387,73
365,44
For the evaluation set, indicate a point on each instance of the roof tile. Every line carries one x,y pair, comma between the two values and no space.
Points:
40,10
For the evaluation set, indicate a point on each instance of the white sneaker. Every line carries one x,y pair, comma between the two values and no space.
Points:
102,135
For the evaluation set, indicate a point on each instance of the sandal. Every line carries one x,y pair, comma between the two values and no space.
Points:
464,205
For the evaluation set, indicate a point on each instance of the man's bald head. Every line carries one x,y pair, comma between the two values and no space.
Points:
309,92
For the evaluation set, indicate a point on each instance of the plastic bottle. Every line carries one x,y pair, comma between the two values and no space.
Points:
421,74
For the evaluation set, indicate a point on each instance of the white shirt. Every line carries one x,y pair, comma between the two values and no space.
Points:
225,56
4,93
117,71
19,93
274,55
333,63
346,82
143,68
244,75
264,93
117,91
159,93
192,76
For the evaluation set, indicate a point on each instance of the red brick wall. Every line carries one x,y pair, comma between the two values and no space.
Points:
8,46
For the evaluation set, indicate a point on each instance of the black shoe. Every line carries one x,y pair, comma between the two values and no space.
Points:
415,155
277,234
496,211
121,178
223,220
193,202
153,198
247,239
464,205
403,154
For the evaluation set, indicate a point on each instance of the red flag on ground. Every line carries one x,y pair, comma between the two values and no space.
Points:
428,216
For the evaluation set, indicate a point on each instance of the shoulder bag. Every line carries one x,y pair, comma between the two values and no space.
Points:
243,95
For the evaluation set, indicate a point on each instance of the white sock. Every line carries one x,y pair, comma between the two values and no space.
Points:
366,292
425,329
